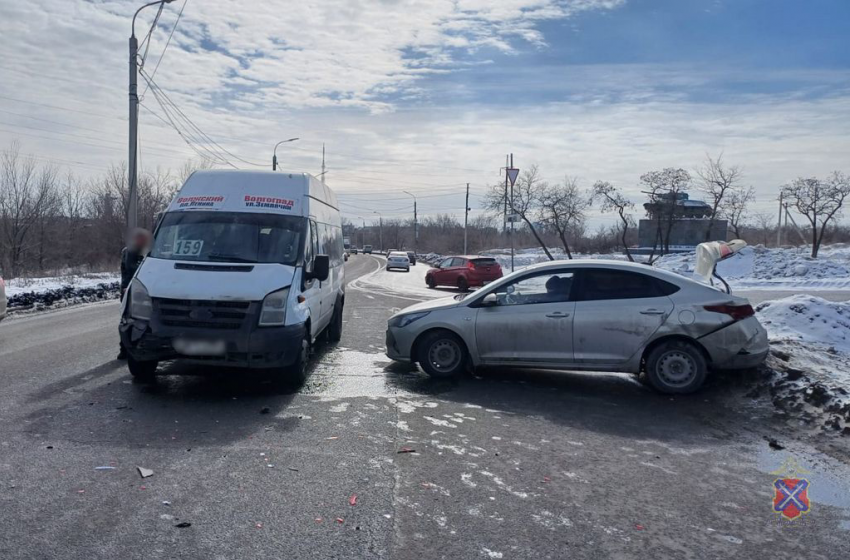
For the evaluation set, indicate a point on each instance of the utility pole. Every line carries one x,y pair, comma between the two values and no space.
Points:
505,215
132,161
779,225
323,162
465,219
415,221
512,214
381,230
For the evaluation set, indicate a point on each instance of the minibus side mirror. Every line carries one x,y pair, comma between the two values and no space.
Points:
321,268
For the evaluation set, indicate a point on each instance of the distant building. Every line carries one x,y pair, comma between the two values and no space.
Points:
691,221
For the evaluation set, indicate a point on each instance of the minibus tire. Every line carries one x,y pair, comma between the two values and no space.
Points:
334,329
143,372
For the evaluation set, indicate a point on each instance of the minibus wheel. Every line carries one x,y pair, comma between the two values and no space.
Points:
334,329
144,372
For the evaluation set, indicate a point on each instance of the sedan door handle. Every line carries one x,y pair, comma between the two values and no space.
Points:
652,312
557,315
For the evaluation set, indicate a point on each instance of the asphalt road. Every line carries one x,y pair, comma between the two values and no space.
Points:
504,465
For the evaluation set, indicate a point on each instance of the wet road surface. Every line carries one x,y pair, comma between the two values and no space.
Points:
523,464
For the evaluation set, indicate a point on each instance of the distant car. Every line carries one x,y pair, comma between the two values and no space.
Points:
412,256
398,260
2,299
354,250
463,272
367,249
585,315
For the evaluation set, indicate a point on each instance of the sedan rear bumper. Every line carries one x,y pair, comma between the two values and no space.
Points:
740,345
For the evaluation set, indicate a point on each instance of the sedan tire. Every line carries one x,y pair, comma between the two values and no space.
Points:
429,280
441,354
676,367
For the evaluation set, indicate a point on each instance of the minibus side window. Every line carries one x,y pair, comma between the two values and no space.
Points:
310,248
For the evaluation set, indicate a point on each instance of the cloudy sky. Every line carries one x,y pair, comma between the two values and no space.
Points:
427,95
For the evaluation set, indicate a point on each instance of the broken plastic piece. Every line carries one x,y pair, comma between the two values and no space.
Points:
407,450
352,501
144,472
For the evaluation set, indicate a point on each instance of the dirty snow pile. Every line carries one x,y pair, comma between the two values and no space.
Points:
37,293
810,353
784,269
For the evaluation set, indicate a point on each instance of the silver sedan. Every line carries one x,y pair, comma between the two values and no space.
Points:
585,315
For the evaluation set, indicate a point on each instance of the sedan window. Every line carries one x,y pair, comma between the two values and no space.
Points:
548,287
609,284
445,263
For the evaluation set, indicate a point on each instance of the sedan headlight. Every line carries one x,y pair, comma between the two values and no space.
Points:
403,320
273,312
141,305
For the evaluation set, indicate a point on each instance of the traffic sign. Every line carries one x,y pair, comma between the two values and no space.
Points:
512,175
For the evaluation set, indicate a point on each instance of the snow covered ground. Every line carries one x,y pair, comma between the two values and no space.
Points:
775,269
37,285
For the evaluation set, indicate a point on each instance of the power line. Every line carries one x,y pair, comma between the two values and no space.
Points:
173,29
62,108
147,40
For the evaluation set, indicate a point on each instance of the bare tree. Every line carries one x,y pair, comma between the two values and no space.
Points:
765,221
614,201
819,201
525,201
718,182
735,209
25,193
562,208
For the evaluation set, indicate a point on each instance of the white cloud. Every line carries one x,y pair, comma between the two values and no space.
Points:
359,75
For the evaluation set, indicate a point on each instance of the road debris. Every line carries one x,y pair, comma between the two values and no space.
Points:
183,525
774,444
352,501
340,520
406,450
144,473
105,468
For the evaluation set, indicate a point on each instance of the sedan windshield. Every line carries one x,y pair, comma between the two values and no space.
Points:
229,237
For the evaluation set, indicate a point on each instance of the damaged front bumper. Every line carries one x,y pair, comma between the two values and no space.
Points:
247,347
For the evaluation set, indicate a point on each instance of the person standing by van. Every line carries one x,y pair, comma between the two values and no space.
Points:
131,258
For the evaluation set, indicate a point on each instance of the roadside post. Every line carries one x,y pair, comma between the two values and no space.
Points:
512,173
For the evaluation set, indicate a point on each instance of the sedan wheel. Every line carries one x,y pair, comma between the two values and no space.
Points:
442,354
676,367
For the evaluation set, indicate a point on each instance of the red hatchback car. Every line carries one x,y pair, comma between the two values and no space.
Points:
463,272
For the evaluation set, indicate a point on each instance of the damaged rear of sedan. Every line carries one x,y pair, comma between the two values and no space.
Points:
586,315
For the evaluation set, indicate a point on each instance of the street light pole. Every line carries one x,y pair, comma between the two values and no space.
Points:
274,152
415,222
132,162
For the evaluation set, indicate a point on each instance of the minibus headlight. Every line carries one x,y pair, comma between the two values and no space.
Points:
273,312
141,305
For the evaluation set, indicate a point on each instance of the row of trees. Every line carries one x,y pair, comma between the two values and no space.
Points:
561,209
50,220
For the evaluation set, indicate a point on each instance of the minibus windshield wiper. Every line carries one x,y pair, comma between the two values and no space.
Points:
229,258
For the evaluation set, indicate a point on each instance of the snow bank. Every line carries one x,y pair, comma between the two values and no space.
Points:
809,319
39,285
781,269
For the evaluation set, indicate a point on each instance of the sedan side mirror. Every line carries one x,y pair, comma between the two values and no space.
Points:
321,268
490,300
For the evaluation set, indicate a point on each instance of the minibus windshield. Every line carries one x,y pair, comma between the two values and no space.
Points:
236,237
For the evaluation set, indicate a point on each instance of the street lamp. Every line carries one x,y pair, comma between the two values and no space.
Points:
274,154
132,171
381,230
415,223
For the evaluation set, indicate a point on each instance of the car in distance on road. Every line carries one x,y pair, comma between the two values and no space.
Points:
2,298
585,315
398,260
367,249
354,250
463,272
246,270
412,256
